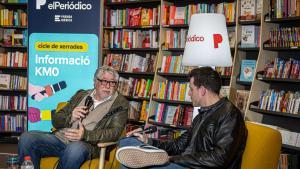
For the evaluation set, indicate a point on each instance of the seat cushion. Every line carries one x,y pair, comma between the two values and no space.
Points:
50,162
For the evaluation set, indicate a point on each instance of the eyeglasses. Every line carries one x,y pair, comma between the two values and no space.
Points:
105,82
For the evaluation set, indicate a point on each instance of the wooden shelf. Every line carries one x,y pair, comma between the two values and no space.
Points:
14,4
172,101
179,75
230,23
203,1
243,83
289,147
254,107
256,22
260,77
13,47
150,121
174,49
187,25
137,98
225,77
255,49
132,49
131,3
13,111
13,90
283,20
13,68
14,27
136,122
176,26
12,132
282,48
186,76
133,27
147,74
9,139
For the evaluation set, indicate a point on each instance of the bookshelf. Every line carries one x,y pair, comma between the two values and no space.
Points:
13,70
163,49
127,42
170,47
245,51
269,82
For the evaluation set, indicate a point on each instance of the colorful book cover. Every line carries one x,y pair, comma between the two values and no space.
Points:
231,36
8,36
145,20
248,11
17,39
179,15
4,81
248,38
247,70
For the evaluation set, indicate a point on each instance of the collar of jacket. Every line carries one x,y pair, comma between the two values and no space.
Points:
212,107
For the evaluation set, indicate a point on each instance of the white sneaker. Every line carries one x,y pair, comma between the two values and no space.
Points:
141,156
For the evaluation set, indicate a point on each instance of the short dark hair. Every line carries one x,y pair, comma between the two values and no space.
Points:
207,77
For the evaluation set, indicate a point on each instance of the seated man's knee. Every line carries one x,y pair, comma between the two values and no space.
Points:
129,141
27,138
77,149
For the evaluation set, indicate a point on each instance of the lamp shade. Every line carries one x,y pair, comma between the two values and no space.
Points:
207,41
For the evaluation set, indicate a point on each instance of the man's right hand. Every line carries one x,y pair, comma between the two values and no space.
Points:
79,113
142,137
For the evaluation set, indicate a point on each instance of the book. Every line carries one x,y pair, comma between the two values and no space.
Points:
179,15
134,109
248,9
231,36
116,61
4,81
247,70
145,17
135,16
241,99
224,91
250,36
7,36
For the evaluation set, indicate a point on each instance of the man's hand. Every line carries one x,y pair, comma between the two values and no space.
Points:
142,137
79,112
133,131
75,134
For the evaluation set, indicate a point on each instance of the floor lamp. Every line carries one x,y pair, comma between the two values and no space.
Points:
207,41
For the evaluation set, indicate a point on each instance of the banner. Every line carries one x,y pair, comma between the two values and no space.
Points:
63,54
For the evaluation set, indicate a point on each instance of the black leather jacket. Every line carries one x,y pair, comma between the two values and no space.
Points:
216,139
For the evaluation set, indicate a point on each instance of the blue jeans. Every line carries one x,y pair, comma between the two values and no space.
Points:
41,144
132,141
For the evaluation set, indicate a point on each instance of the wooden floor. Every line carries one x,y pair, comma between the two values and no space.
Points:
7,148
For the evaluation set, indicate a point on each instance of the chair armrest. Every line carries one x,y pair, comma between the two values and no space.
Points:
106,144
102,147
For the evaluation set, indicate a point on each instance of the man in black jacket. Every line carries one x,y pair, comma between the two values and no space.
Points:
216,139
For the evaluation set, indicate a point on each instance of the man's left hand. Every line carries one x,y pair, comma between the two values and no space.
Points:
75,134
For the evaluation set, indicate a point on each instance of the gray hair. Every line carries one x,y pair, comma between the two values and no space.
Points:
103,69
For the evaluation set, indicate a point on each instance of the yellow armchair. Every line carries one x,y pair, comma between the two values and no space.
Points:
262,148
51,162
101,163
